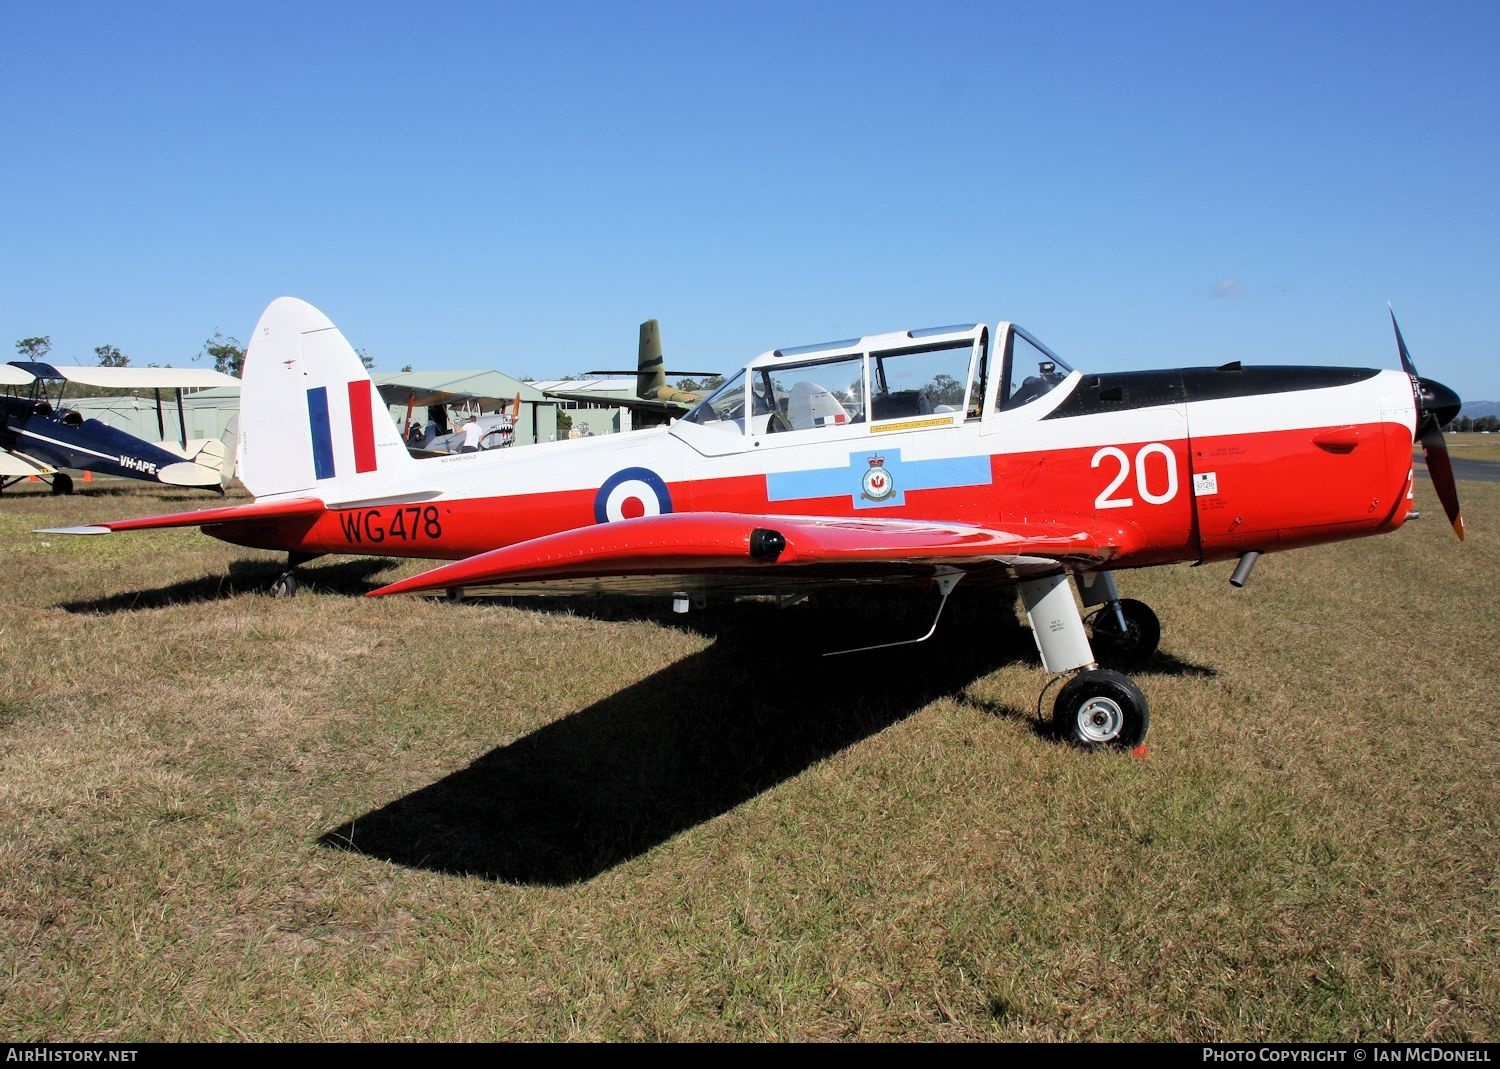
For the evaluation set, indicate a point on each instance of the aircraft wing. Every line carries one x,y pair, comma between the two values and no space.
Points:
133,378
734,553
255,511
395,393
635,404
19,466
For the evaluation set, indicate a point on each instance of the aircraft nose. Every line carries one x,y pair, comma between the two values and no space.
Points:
1439,401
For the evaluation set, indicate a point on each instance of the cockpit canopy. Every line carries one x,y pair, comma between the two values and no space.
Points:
942,372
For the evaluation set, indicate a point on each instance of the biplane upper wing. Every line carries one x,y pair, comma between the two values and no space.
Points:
735,553
120,378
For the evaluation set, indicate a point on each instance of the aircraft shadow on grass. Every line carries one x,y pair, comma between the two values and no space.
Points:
354,577
609,782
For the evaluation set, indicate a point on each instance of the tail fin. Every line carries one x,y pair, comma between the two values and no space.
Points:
651,368
310,418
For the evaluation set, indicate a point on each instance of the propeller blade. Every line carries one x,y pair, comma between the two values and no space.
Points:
1435,452
1436,405
1406,363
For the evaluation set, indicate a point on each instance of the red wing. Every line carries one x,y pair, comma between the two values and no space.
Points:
768,554
255,511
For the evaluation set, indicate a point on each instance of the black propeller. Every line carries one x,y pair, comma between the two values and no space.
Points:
1436,406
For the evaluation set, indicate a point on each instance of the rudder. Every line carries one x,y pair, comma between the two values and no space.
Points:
310,418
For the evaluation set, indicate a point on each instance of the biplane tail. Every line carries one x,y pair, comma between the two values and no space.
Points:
311,421
208,464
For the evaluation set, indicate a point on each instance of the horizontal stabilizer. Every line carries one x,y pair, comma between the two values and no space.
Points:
189,474
308,507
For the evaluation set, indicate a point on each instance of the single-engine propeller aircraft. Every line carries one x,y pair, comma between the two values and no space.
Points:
914,459
654,402
37,436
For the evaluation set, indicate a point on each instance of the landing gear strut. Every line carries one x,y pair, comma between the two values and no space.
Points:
1098,707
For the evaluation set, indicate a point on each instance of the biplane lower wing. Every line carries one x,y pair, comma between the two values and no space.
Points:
732,552
19,466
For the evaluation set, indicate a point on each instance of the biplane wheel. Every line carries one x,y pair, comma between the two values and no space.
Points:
1134,645
285,585
62,484
1101,708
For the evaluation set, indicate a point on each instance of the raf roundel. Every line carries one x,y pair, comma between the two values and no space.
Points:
630,493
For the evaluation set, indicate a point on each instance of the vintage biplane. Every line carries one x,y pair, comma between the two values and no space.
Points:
910,460
39,433
434,418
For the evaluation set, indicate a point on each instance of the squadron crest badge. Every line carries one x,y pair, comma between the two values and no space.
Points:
877,484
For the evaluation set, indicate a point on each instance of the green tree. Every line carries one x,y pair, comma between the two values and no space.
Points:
110,356
944,390
34,350
366,359
406,369
227,354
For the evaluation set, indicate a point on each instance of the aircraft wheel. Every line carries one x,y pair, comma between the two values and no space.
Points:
1100,708
62,484
1134,645
285,586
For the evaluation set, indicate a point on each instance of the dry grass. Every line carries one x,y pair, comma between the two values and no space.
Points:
331,818
1474,446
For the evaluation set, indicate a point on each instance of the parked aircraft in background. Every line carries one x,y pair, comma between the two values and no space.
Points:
654,402
911,460
40,434
435,417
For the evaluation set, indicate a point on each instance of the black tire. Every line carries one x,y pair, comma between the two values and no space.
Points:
1100,708
1135,645
285,586
62,484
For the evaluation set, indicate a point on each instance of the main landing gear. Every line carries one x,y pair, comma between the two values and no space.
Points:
1098,707
285,585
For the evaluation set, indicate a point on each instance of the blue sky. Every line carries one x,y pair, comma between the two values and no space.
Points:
518,186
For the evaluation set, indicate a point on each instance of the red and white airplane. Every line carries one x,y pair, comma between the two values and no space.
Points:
915,459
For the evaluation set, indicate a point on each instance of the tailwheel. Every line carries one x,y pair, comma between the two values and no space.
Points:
1100,708
1135,644
285,585
62,483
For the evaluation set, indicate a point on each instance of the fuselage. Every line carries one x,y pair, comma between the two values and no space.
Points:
66,440
1198,464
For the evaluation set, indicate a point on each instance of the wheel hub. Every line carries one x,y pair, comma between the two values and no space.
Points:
1100,720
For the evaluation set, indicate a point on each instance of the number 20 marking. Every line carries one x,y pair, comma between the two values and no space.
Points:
1107,500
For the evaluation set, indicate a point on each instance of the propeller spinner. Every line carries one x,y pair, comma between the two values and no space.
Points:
1436,406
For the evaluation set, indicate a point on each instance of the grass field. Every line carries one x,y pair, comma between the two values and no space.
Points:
331,818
